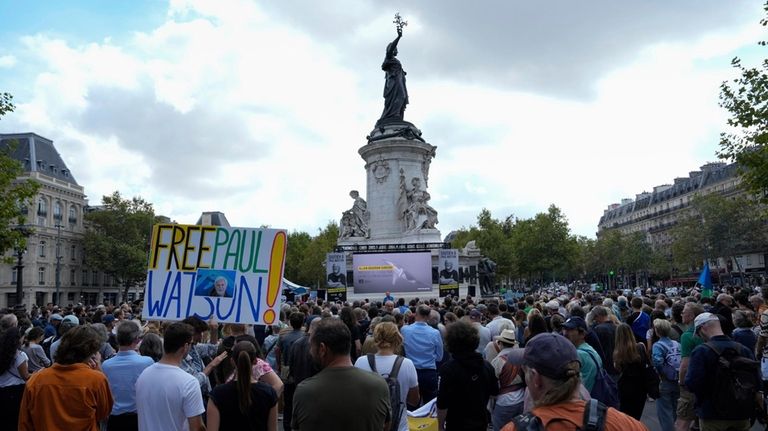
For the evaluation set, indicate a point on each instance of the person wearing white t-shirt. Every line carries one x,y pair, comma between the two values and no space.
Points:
167,397
387,338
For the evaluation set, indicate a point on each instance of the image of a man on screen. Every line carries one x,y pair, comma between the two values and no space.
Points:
448,275
336,278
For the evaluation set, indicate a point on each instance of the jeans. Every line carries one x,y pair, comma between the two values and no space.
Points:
504,414
666,405
427,384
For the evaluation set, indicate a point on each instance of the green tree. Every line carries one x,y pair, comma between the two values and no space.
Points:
717,226
117,241
746,98
312,267
14,191
298,242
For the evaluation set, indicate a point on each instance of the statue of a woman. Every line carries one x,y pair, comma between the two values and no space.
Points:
395,92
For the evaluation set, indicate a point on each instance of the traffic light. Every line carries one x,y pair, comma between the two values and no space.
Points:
610,273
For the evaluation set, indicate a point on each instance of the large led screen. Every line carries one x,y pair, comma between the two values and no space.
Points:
392,272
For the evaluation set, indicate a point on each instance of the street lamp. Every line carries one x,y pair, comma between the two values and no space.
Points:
20,249
58,259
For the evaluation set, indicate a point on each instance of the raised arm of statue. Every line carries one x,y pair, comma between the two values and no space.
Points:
392,47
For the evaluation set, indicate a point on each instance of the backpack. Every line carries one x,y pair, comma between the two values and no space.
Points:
594,418
46,345
670,368
736,382
605,388
396,405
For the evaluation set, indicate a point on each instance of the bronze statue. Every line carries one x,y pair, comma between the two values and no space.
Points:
395,91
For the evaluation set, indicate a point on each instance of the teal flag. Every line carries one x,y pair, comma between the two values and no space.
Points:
705,280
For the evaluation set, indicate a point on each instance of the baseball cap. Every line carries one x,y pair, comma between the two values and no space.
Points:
71,318
553,304
704,318
475,315
549,353
107,319
575,323
56,316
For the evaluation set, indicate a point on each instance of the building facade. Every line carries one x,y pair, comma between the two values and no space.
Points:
54,255
655,213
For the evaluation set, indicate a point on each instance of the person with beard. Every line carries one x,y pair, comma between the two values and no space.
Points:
466,382
318,404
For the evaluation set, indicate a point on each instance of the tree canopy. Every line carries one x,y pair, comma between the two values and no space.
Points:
14,192
117,241
746,99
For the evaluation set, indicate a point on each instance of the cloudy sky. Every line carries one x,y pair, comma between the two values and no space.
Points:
257,109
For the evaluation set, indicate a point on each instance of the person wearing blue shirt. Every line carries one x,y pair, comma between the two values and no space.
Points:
122,371
388,297
424,347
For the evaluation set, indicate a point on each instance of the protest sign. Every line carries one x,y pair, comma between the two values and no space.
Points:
336,276
448,279
233,275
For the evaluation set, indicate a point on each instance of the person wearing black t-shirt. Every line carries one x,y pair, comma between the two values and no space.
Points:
239,406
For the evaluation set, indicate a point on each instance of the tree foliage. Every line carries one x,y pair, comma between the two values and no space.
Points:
14,192
717,226
746,98
117,241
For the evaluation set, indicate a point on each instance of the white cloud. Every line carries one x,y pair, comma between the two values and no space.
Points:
233,107
7,61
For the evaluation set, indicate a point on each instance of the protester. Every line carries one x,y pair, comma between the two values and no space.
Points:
167,397
666,361
151,346
122,371
388,340
688,341
511,399
716,408
202,353
340,396
73,394
13,375
34,351
244,403
629,358
424,346
553,376
467,381
575,329
284,345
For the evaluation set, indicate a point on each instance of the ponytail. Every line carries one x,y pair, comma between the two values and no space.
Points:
244,354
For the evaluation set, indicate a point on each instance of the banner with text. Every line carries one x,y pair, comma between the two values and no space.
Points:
231,274
336,276
448,261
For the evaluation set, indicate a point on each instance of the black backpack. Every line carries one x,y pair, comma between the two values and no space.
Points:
736,382
594,418
394,390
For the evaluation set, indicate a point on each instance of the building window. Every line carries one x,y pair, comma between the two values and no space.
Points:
41,249
71,296
72,279
72,215
85,277
13,275
41,276
95,278
72,252
57,211
106,280
42,207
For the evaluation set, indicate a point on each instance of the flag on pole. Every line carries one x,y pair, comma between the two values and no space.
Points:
705,280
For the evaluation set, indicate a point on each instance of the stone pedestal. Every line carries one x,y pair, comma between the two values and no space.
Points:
395,150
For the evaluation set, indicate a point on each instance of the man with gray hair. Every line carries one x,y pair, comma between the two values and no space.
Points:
122,371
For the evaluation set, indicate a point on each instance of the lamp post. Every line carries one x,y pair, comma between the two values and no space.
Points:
20,249
58,260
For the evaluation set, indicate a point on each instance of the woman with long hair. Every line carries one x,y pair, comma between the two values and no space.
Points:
629,358
388,340
350,320
245,403
13,375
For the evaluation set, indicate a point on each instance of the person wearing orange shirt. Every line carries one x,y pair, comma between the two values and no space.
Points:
73,394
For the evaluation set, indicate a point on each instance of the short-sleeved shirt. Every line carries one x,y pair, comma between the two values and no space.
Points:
570,416
320,404
688,342
407,377
225,397
166,396
590,361
11,376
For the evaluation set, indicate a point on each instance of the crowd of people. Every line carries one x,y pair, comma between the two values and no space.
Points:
553,360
